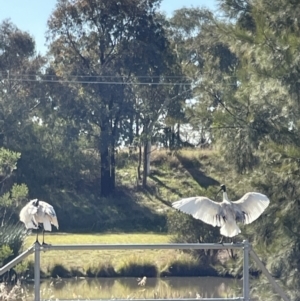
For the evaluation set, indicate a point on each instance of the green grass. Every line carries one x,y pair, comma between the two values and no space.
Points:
109,262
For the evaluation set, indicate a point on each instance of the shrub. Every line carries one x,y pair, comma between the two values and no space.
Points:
189,268
138,270
12,237
60,271
186,229
137,267
101,270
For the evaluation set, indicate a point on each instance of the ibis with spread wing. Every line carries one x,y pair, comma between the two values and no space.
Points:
225,214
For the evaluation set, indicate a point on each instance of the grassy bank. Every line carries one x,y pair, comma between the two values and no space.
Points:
126,263
133,208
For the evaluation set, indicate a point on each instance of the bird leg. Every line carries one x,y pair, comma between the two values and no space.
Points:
221,241
43,238
37,235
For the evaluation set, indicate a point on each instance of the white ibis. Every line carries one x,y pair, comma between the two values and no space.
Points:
37,212
225,214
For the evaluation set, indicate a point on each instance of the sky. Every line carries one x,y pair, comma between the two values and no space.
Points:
32,15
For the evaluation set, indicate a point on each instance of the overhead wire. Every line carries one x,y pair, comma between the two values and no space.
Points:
10,73
82,79
99,82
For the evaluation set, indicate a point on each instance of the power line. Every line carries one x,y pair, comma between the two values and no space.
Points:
9,74
6,74
77,80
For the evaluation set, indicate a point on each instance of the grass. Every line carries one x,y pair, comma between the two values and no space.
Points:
108,263
173,176
132,208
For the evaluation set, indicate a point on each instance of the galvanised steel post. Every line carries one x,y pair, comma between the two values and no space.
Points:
246,290
37,266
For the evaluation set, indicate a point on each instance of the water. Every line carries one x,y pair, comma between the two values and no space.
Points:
128,288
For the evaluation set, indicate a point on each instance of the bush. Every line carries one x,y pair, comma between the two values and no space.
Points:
137,267
102,270
186,229
184,268
60,271
12,237
138,270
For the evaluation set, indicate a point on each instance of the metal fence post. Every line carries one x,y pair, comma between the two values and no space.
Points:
246,283
37,259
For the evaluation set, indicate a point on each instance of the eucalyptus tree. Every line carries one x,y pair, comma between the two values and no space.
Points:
19,86
206,61
102,47
20,98
156,103
183,28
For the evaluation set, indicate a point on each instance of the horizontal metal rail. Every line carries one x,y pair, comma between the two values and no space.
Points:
16,260
181,299
181,246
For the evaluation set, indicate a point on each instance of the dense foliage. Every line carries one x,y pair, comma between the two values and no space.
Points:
121,74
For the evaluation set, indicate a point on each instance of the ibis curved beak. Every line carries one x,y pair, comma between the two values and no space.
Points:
218,193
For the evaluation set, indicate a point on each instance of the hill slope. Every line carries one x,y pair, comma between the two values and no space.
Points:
132,208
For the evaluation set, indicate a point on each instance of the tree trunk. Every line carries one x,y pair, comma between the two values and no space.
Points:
113,168
107,157
172,144
131,135
145,165
139,164
106,188
148,157
178,135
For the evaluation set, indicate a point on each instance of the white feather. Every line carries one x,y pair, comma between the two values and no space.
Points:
44,213
47,225
202,208
230,229
253,204
27,216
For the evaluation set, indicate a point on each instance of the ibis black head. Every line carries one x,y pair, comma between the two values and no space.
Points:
35,203
223,188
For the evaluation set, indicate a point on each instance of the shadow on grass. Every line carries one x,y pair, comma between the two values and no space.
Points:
120,212
193,167
158,181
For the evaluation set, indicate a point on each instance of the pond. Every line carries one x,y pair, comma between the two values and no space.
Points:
129,288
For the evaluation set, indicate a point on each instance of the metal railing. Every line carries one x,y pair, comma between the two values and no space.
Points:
245,246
